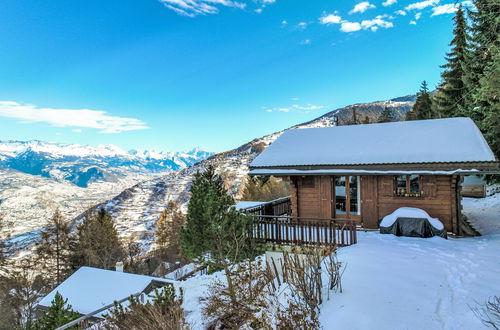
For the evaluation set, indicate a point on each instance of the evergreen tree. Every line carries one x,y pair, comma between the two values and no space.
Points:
423,108
214,229
485,30
58,314
53,250
452,100
385,116
366,120
354,119
97,243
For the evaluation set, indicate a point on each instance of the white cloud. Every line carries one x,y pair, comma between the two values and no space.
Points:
400,12
78,118
330,19
305,42
376,22
295,98
413,23
389,2
258,10
417,16
444,9
302,25
350,26
361,7
422,4
192,8
295,108
77,130
283,22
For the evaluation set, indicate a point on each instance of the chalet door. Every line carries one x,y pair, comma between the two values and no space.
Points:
347,192
326,197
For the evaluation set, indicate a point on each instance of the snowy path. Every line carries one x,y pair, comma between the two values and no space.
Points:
410,283
483,213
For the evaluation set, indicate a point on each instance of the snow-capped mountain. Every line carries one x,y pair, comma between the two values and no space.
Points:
82,165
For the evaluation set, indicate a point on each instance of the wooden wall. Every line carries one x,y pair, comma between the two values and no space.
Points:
440,199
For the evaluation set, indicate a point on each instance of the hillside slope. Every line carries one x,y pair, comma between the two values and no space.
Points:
137,208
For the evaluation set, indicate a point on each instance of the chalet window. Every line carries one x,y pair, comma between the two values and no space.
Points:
407,185
308,182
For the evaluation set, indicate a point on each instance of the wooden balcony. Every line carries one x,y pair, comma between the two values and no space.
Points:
276,226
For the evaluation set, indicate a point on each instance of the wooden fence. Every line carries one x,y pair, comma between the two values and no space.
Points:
302,231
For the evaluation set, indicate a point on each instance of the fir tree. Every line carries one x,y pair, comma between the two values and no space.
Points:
214,228
410,115
385,116
97,243
452,100
423,108
58,314
53,248
354,118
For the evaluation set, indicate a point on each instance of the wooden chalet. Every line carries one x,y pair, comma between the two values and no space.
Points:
361,173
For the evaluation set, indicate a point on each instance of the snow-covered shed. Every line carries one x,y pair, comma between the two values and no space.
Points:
365,172
90,289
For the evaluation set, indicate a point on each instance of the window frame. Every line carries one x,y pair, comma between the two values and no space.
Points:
408,192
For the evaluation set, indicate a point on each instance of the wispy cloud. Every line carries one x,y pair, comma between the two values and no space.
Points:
77,118
361,7
305,42
417,16
330,19
192,8
422,4
400,12
377,22
449,8
302,25
389,3
295,108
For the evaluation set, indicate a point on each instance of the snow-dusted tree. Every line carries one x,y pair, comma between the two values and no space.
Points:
58,314
97,243
53,250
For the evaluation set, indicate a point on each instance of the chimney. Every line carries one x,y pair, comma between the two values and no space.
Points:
119,266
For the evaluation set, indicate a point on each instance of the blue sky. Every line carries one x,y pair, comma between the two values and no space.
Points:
178,74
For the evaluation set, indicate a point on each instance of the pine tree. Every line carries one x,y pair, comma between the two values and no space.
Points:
215,230
354,119
485,31
385,116
58,314
452,100
423,108
97,243
208,201
53,250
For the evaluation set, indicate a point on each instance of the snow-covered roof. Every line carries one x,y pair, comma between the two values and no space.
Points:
89,289
247,204
447,140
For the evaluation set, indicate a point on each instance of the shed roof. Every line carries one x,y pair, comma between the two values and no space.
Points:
89,289
450,140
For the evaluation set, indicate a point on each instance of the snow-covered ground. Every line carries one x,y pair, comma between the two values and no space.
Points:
483,213
411,283
406,283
